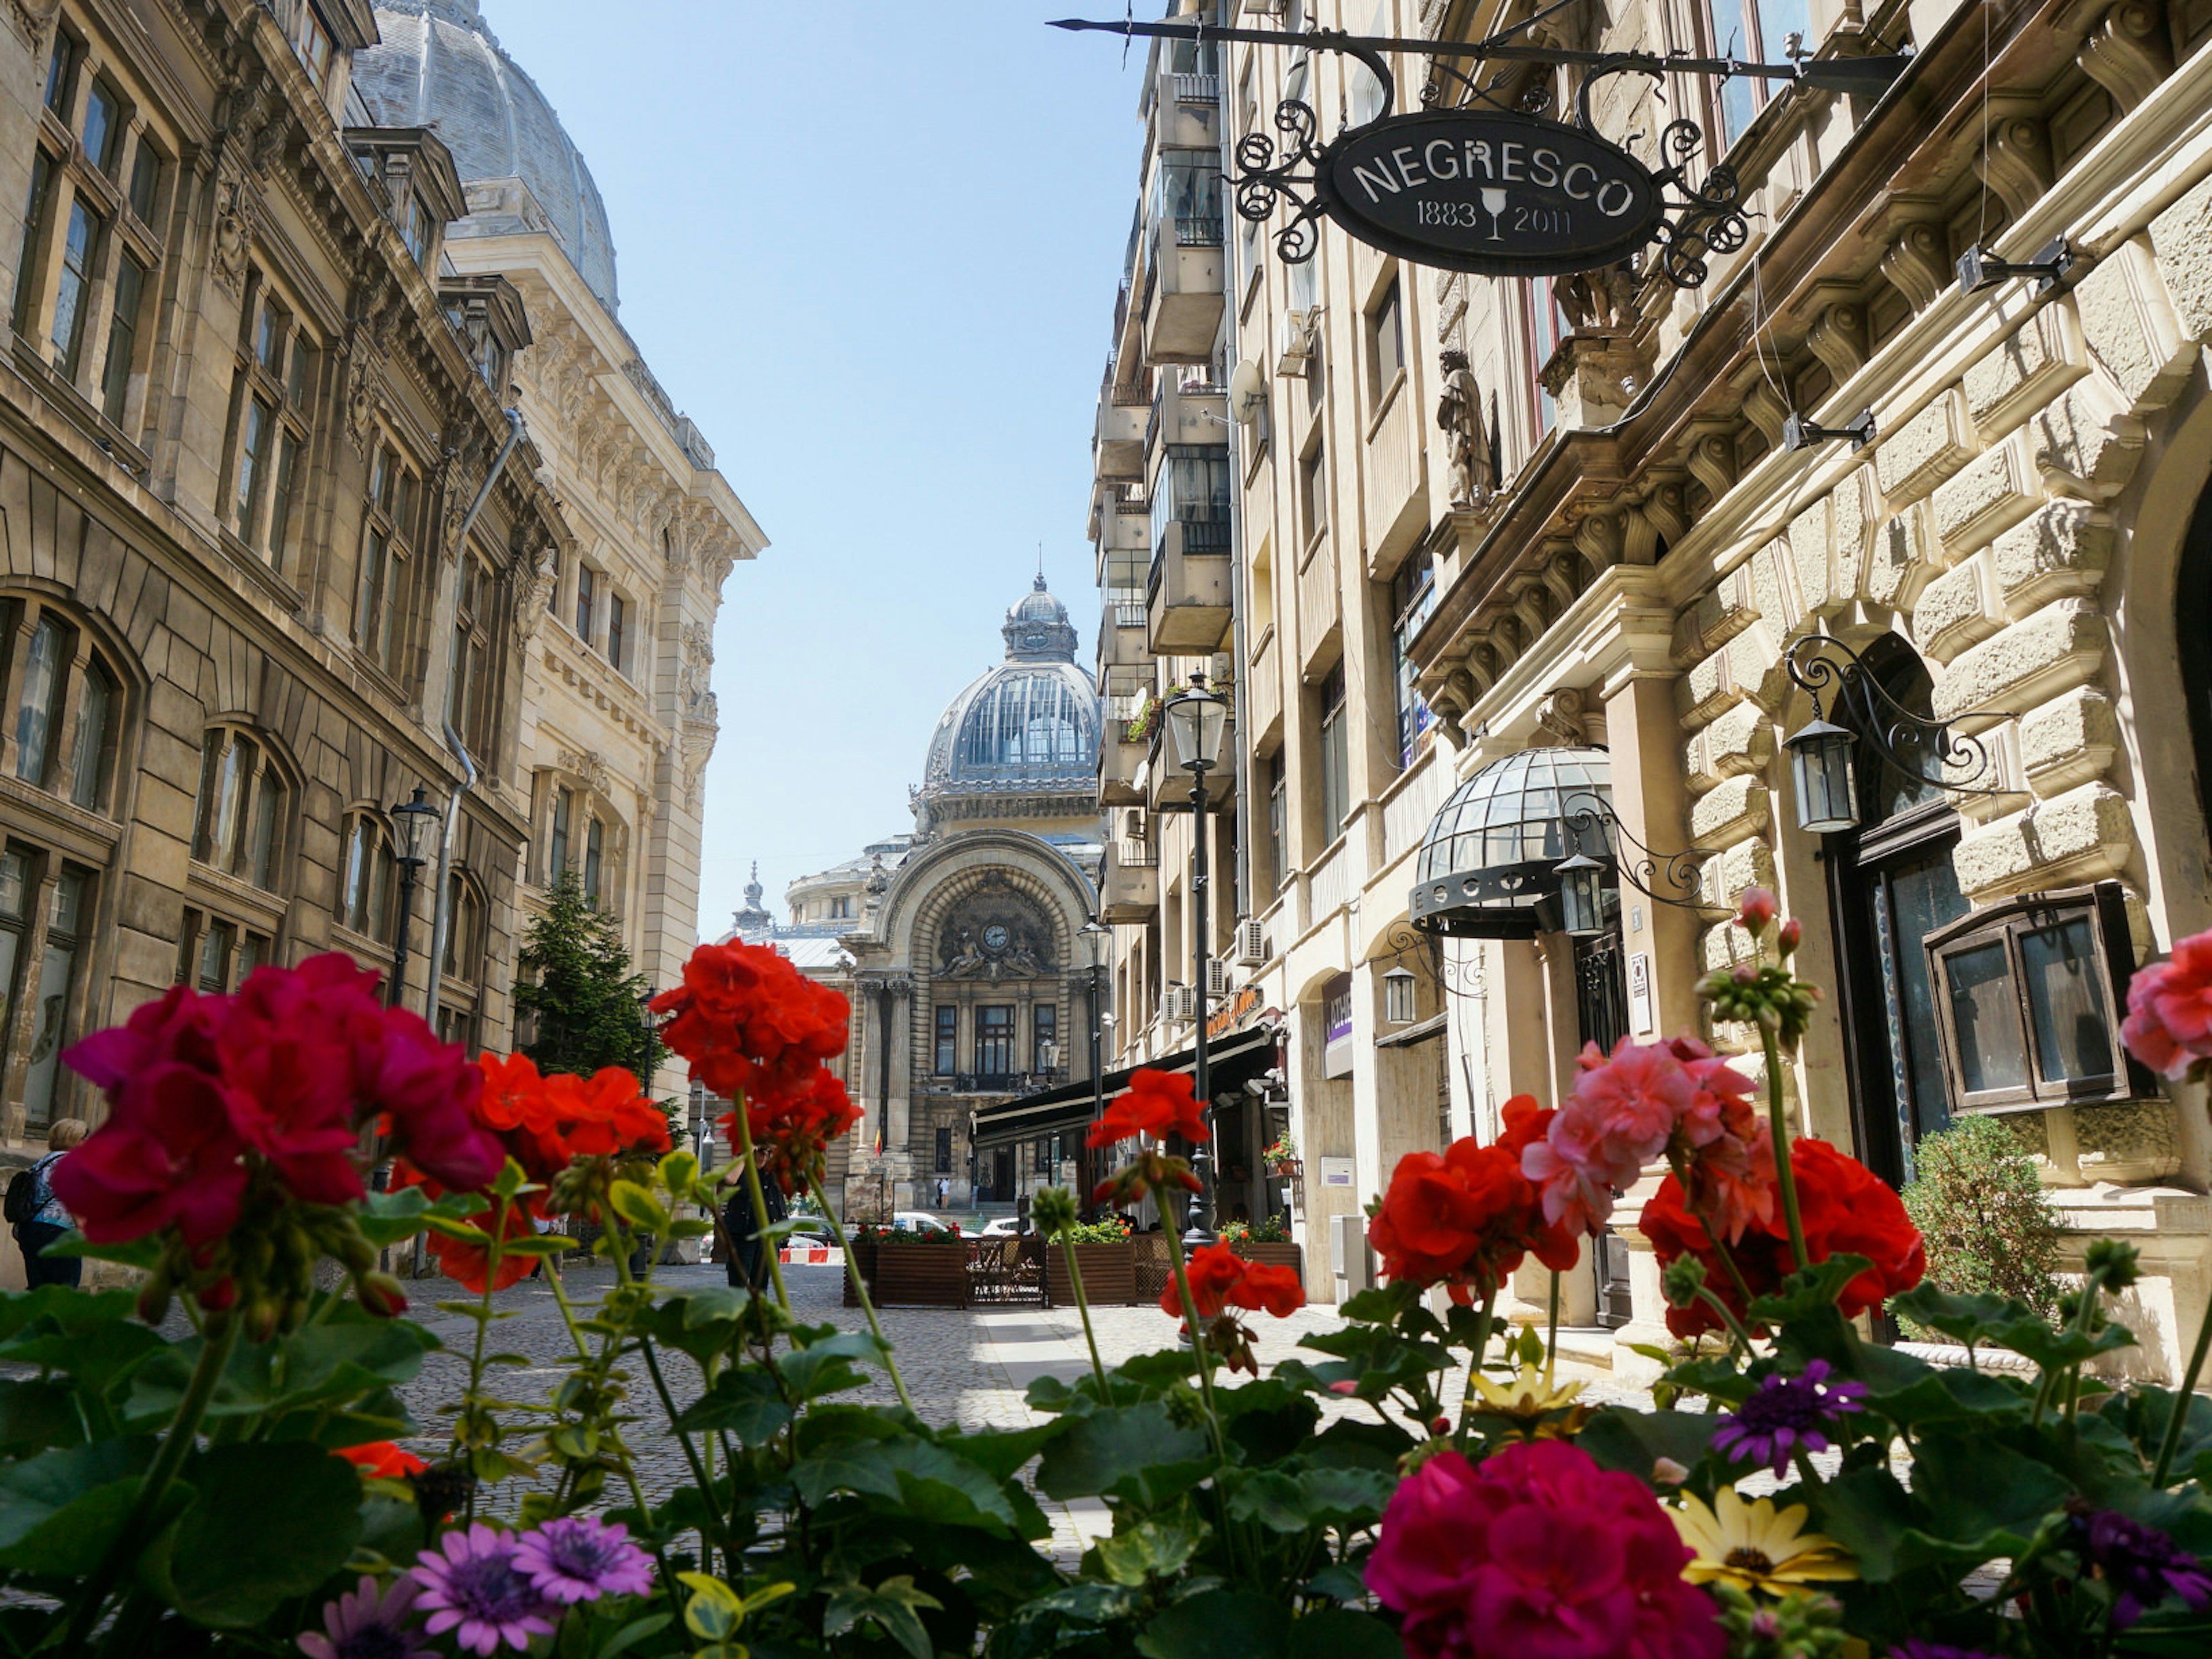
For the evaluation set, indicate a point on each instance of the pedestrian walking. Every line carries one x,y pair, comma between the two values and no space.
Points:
44,1218
944,1192
748,1263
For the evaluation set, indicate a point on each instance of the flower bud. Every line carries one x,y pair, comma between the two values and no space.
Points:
1344,1386
2114,1262
1441,1427
1684,1278
1756,910
1792,934
1666,1471
1745,972
381,1295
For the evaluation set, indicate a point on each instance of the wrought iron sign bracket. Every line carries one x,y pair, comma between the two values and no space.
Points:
1676,869
1501,190
1885,723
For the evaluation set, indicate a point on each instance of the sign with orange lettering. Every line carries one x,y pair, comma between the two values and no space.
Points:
1490,191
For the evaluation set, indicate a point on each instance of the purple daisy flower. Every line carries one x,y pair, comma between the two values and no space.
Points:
1914,1648
471,1586
2141,1565
369,1623
581,1559
1786,1416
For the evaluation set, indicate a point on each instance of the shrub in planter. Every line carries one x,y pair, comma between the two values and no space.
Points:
1980,1207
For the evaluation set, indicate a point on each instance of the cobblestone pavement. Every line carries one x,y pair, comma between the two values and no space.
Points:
966,1368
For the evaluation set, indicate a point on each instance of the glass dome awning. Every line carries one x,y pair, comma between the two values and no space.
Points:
1486,866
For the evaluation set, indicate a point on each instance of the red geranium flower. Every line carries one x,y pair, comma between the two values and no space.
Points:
2169,1023
1846,1210
168,1156
1537,1552
384,1460
1157,1104
791,1130
469,1265
1220,1279
1466,1217
750,1022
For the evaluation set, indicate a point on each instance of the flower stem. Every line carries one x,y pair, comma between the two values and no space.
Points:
2172,1441
1552,1334
1083,1306
852,1270
751,1161
474,1392
168,1461
1784,1178
1474,1362
1191,1323
708,1540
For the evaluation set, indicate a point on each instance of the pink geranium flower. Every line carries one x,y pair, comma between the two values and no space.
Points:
2169,1023
1618,1119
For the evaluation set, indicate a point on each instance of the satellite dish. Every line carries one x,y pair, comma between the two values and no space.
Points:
1248,392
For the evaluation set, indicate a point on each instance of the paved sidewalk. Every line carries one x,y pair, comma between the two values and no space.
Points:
967,1367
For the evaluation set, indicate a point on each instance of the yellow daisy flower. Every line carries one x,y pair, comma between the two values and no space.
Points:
1755,1547
1529,1400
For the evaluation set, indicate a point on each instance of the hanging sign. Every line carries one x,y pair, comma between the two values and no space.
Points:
1490,191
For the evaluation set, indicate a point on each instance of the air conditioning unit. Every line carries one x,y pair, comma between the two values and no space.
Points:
1179,1002
1217,977
1264,8
1251,941
1294,341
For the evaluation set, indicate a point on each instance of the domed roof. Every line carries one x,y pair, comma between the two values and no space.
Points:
1031,725
1488,857
439,66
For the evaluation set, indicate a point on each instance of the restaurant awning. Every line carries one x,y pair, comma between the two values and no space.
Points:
1243,1054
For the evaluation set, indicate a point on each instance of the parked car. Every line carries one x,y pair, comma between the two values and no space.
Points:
917,1221
810,1241
1005,1226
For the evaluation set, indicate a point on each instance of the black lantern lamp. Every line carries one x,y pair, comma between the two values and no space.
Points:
414,819
1820,767
1822,758
1196,718
1582,894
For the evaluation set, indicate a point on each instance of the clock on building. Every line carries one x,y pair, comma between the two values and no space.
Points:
994,937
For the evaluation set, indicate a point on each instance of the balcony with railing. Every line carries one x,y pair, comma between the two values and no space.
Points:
1188,412
1185,273
1118,449
1129,884
1120,767
1187,594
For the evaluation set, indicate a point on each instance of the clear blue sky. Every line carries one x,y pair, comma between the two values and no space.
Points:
872,249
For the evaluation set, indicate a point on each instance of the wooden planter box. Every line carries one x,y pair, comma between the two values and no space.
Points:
1109,1274
921,1275
1273,1255
865,1251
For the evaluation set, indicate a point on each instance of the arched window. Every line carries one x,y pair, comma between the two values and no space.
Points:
244,808
464,927
365,889
60,734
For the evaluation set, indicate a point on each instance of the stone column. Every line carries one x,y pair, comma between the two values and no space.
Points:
1644,735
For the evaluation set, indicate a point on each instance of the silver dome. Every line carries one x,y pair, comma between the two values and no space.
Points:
1031,725
439,66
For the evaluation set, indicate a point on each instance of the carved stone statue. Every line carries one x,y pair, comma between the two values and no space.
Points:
1459,412
1598,299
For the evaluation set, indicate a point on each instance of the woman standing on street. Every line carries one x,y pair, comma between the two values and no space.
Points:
48,1220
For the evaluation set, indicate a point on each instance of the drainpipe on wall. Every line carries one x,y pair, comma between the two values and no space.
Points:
441,917
1240,780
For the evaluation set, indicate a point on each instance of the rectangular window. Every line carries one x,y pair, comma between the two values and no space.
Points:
269,338
1545,329
1387,340
564,805
252,460
1335,758
215,943
316,50
594,833
994,1041
587,601
34,228
371,585
1278,812
46,672
1193,489
944,1152
948,1040
616,613
61,73
95,732
252,953
390,522
122,338
72,301
1044,1023
1187,196
1412,596
103,125
56,983
15,922
280,496
145,180
1757,30
1313,494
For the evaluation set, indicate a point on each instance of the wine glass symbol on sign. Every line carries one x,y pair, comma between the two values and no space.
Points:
1493,202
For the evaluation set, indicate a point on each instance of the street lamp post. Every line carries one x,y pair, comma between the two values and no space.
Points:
415,818
1097,940
1195,720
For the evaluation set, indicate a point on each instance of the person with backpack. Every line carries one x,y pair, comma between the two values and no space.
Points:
37,1215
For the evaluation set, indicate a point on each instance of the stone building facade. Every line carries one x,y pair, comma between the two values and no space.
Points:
275,553
1485,519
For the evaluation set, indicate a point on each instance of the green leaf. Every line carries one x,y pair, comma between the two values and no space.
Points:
61,1509
1633,1441
2056,1350
1001,1453
1969,1319
930,1486
1150,1550
1914,1395
34,1415
638,1630
1221,1624
143,1254
1869,1512
1136,1453
270,1523
1280,1502
96,1357
892,1605
637,1207
715,1610
1344,1633
393,1218
744,1402
1973,1487
1063,1618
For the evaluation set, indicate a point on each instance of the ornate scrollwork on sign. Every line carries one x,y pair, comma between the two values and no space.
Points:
1265,180
1709,219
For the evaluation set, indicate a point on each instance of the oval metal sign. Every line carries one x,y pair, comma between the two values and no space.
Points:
1491,192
